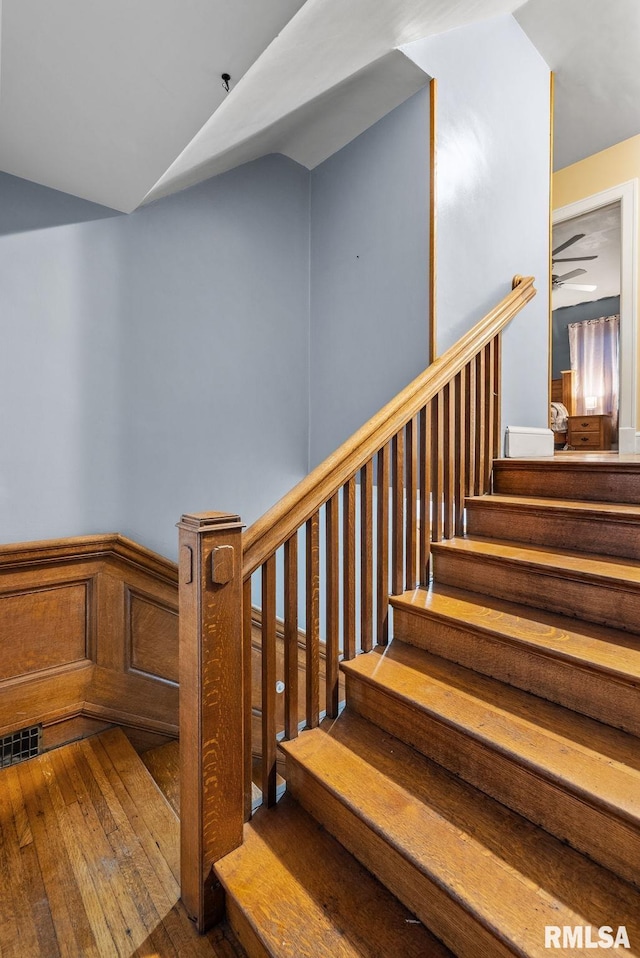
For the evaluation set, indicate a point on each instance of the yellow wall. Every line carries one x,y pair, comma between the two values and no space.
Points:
601,171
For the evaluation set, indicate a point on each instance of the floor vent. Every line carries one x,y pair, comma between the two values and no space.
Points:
20,745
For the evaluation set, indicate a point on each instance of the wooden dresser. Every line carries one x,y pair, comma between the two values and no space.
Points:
589,432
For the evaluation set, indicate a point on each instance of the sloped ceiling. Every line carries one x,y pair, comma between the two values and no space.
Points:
118,100
593,47
121,102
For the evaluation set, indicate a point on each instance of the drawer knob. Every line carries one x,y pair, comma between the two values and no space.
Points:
584,439
585,425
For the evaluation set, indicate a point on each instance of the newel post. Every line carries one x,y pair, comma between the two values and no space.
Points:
211,715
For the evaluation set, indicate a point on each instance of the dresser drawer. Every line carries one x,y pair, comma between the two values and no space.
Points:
585,424
586,440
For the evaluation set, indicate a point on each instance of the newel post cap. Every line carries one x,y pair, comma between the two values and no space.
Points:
209,521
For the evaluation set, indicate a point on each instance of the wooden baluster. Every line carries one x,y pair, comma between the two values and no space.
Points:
349,567
437,466
472,427
366,557
332,604
211,707
247,686
312,647
397,514
382,604
449,460
412,493
425,493
480,424
269,742
461,449
497,388
490,403
291,637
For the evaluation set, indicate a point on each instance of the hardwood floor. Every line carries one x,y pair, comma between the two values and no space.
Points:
89,860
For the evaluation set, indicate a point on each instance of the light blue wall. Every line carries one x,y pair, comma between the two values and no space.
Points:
369,273
493,195
156,363
215,302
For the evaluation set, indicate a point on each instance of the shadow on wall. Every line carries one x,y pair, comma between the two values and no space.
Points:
26,206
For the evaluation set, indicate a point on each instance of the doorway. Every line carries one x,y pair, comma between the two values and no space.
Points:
593,378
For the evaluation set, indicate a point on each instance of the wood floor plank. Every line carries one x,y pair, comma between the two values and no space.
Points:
96,894
160,879
97,860
73,930
156,872
21,821
35,893
159,817
76,878
10,931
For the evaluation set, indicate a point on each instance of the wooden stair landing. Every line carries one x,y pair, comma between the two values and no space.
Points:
89,859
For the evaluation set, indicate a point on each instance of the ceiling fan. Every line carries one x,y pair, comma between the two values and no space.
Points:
558,282
570,259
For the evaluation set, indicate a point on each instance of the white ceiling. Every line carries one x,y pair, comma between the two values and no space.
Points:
593,47
121,102
602,238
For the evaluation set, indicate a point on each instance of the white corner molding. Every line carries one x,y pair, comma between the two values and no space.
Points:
627,195
528,442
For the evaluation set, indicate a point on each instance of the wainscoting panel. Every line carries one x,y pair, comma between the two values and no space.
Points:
41,629
88,638
152,636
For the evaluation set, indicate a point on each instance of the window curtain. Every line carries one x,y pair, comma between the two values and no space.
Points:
594,349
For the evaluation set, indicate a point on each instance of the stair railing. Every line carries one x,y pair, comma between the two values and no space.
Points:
356,530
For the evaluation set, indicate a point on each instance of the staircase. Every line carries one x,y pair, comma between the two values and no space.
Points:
486,767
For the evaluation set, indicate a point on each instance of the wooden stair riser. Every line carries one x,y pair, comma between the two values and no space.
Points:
243,929
448,919
564,529
595,831
558,479
582,596
598,694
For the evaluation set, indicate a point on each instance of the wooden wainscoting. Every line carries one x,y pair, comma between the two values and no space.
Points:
88,638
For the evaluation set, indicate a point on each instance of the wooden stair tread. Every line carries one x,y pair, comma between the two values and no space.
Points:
594,761
512,876
607,511
303,894
581,565
589,644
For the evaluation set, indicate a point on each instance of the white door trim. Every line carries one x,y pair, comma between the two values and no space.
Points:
627,194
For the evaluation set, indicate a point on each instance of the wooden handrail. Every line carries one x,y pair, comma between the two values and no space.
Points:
273,529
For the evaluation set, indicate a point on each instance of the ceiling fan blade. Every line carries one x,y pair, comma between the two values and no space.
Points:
582,288
571,274
569,242
574,259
